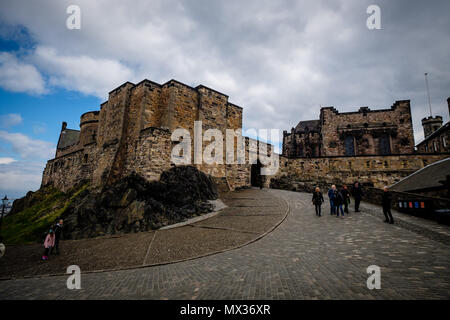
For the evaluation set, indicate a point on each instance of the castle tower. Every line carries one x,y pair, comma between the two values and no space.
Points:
89,127
431,124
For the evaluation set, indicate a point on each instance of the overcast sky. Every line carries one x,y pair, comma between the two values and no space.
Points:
279,60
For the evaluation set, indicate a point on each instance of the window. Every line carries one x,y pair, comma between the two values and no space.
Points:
435,146
349,146
385,146
444,142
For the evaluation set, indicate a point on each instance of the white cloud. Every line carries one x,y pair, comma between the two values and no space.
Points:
22,176
94,76
6,161
18,76
28,148
10,120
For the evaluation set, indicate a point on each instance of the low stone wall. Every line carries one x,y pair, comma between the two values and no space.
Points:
376,171
374,195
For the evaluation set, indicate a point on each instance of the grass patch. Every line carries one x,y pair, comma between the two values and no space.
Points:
31,224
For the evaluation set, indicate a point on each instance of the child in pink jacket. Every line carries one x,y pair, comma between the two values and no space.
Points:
48,244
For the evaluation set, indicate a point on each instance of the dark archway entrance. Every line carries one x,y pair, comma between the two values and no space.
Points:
256,174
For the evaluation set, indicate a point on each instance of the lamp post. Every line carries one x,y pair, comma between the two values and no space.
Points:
4,204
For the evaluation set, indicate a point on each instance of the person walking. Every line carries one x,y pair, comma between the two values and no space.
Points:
387,202
357,194
346,195
49,243
317,200
338,203
331,195
58,232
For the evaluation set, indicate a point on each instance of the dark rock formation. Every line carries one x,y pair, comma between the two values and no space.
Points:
134,204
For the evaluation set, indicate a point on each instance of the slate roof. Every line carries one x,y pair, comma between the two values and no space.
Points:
68,138
427,177
312,125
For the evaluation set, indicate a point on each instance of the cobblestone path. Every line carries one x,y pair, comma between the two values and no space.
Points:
306,257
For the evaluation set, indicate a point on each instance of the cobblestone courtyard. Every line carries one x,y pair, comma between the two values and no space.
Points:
306,257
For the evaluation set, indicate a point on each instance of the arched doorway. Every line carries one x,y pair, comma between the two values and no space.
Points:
255,178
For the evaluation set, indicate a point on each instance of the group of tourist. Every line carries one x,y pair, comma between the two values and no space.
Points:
340,200
51,243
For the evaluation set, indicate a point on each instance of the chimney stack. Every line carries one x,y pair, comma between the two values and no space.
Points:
64,126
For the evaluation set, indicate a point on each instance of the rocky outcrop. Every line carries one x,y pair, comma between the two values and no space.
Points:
134,204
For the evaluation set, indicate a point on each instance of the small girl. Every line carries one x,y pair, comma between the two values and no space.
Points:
48,244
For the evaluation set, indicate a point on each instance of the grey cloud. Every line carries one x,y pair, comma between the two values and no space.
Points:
280,60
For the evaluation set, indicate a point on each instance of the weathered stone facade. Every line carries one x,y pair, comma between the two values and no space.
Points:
132,133
376,171
364,132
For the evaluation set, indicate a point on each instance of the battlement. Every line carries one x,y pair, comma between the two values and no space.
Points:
365,109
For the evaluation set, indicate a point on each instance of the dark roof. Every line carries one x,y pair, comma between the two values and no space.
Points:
427,177
312,125
439,131
68,138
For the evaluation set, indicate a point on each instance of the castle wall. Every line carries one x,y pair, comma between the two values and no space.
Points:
111,130
66,171
132,130
368,127
364,132
377,171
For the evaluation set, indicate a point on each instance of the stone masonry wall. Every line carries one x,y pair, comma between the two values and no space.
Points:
370,126
376,171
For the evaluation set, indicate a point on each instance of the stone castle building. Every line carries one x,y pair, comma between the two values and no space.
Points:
364,132
374,147
132,133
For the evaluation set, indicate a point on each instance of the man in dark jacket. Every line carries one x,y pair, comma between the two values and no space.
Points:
58,231
387,202
357,194
338,203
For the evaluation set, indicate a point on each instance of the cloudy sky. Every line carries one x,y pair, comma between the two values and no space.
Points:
280,60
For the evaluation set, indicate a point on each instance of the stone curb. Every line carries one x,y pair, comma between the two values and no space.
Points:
165,263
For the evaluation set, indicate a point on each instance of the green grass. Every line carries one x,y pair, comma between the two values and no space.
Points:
30,225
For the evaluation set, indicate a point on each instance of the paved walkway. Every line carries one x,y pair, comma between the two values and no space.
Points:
306,257
248,215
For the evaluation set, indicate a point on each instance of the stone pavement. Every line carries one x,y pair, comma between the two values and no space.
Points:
306,257
248,215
